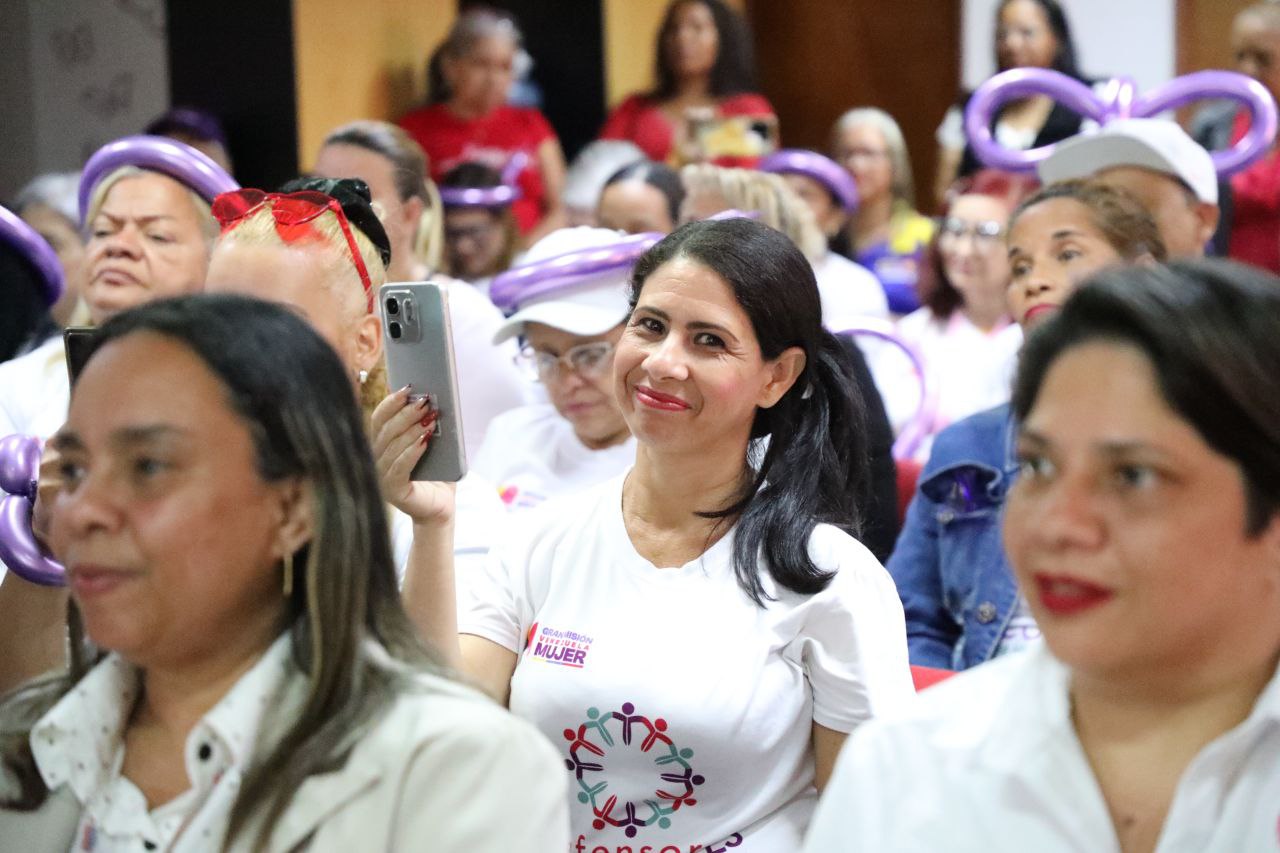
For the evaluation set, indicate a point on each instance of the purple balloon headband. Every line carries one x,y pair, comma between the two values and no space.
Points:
563,272
36,250
19,468
1120,99
157,154
824,170
917,428
498,196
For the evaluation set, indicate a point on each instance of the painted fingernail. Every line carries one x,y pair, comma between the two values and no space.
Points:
429,420
423,402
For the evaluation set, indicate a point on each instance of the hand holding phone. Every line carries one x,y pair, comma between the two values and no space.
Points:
402,432
419,348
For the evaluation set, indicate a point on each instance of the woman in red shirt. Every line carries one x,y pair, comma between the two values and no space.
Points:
467,119
703,61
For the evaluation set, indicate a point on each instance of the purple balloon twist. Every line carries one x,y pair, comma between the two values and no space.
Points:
181,162
19,550
916,429
501,195
1119,99
36,250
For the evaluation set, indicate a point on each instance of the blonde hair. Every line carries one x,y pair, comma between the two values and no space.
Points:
342,278
903,186
204,215
765,194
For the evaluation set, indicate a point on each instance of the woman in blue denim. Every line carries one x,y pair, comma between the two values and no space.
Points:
961,601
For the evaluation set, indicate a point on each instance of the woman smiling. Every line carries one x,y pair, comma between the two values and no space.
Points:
724,630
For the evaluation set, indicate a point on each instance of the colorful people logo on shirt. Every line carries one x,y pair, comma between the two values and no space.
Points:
590,745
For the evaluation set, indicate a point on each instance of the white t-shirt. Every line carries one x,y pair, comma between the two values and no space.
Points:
34,394
683,710
489,383
478,515
969,369
988,761
850,292
35,391
532,454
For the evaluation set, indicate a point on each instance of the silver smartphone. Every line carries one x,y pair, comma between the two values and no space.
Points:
419,347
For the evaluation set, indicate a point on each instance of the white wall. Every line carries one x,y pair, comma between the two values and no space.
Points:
95,71
1134,38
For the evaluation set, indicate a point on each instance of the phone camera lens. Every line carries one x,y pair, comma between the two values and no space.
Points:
393,307
394,328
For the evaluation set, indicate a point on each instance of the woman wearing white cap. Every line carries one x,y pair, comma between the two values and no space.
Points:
570,303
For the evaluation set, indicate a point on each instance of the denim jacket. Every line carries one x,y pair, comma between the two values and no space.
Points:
949,564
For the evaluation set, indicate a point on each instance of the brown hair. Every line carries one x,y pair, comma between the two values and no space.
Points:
1121,219
409,168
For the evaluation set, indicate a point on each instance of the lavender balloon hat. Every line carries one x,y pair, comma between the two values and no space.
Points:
19,468
157,154
36,251
824,170
498,196
565,272
1119,99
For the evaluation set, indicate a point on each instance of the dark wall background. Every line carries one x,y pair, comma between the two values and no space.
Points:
235,59
822,57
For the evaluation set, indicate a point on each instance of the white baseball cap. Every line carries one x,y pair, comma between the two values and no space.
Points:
573,279
1149,143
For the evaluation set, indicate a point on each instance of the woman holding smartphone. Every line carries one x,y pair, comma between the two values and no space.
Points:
319,248
698,635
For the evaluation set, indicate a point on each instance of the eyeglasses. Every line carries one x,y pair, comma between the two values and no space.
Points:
291,212
474,233
863,154
984,233
587,360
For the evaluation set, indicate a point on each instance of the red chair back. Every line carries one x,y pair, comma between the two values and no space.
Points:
927,676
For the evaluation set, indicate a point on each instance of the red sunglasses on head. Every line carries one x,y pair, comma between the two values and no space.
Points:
290,210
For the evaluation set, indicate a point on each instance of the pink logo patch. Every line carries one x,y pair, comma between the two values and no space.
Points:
565,648
508,494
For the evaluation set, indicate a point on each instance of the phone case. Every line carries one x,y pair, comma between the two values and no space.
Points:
419,350
77,341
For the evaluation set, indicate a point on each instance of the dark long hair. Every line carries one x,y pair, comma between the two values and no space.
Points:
1065,60
735,69
1211,330
814,469
25,313
292,392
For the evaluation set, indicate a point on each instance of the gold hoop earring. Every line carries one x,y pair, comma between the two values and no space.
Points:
288,575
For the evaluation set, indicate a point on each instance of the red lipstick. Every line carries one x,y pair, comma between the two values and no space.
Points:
1062,595
1038,310
657,400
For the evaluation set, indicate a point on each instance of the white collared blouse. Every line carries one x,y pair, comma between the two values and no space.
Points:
80,743
989,761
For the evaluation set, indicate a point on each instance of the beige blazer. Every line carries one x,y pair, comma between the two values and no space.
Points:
444,770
